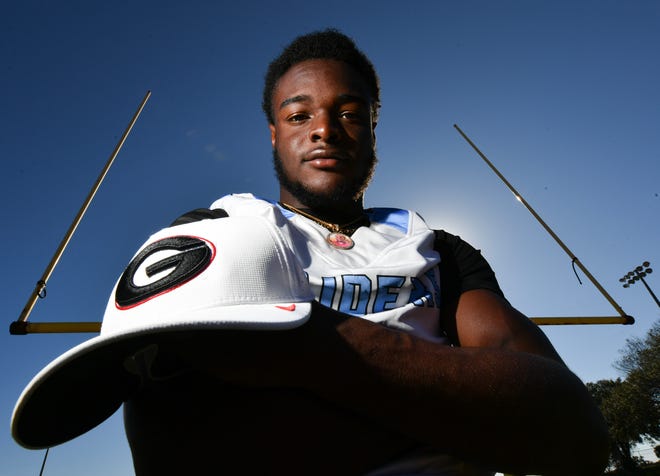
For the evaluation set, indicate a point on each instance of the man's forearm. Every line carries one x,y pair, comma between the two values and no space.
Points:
512,411
507,410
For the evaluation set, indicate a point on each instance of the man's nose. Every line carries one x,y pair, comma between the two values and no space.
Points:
325,128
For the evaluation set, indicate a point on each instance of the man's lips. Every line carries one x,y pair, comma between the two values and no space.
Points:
327,154
326,158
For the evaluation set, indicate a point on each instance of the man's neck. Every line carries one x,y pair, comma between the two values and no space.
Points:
336,213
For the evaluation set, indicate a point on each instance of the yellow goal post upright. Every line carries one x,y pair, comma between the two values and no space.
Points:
21,326
622,318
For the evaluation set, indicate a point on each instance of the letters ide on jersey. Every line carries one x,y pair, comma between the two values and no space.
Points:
390,276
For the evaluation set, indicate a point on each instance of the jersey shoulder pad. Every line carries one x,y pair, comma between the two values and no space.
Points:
200,214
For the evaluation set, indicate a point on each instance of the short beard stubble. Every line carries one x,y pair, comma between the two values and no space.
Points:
347,193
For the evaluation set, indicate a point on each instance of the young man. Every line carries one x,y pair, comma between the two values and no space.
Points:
412,361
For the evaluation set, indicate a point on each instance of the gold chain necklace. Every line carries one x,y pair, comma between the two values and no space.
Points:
339,236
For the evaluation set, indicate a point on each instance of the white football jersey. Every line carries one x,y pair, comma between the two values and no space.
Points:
389,276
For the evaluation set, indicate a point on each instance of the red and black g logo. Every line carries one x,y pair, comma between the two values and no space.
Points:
191,256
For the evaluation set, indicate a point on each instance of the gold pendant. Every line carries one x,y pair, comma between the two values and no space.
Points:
340,241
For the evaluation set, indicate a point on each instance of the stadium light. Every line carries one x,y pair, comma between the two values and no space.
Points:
638,274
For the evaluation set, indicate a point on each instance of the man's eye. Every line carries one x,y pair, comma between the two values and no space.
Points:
352,115
299,117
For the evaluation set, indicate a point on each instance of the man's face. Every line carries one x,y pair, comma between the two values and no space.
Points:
323,136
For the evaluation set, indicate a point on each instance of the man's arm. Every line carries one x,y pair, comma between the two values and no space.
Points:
504,400
484,319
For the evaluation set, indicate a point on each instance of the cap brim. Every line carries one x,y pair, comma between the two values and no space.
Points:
87,384
75,392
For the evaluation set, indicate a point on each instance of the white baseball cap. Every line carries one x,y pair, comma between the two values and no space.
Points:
225,273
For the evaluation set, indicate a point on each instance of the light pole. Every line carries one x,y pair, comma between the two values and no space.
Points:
638,274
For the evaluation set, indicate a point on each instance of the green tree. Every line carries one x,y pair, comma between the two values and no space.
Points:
641,364
631,406
612,398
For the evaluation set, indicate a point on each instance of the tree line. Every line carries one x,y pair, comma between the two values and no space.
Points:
631,405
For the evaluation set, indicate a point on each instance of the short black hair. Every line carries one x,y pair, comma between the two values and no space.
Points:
324,44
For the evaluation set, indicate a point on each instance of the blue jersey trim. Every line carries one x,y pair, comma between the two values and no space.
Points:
285,211
395,217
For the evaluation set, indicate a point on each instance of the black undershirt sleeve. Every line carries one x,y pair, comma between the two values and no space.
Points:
463,265
462,268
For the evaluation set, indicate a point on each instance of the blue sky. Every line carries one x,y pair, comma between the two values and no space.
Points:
561,95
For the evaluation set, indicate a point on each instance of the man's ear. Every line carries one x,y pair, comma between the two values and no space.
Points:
273,137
